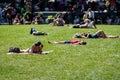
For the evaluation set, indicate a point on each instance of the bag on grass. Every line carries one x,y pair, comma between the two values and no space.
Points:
14,49
76,27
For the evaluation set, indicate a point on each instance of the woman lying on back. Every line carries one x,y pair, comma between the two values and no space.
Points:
98,34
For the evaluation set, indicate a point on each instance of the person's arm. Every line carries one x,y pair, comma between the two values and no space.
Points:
88,35
32,50
40,48
55,22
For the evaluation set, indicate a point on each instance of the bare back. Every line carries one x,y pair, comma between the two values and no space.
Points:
36,49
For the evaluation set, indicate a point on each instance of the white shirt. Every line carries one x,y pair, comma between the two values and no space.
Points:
91,14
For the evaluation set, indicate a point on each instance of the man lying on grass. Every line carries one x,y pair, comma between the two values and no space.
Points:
75,42
98,34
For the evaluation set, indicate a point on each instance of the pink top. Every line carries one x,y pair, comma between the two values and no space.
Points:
74,41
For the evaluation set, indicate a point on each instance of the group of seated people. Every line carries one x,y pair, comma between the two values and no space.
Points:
19,19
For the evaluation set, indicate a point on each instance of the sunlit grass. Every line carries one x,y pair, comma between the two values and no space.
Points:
98,60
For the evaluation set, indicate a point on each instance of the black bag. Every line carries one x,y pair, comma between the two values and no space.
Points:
40,33
14,49
76,27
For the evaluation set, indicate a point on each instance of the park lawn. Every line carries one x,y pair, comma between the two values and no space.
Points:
98,60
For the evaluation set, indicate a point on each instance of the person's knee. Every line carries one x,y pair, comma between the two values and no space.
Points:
100,30
93,22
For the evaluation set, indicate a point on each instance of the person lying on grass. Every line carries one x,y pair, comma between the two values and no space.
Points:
36,48
98,34
87,24
35,32
76,42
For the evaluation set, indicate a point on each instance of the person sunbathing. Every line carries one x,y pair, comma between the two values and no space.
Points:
76,42
35,32
88,24
98,34
36,48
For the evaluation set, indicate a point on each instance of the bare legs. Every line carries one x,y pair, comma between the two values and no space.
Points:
113,36
55,22
101,34
87,25
84,25
94,24
61,42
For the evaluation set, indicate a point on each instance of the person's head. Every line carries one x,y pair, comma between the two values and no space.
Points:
84,34
83,43
78,36
38,43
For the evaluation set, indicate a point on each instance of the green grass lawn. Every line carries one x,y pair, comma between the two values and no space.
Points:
98,60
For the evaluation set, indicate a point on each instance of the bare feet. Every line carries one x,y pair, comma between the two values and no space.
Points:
117,36
49,42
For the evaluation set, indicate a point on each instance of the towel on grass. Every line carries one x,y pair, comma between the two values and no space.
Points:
44,52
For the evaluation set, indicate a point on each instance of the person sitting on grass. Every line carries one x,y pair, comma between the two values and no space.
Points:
59,21
88,24
35,32
16,20
98,34
76,42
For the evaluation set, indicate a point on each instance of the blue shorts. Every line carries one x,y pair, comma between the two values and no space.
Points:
67,42
94,36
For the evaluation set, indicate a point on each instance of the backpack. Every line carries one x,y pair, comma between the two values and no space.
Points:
14,49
